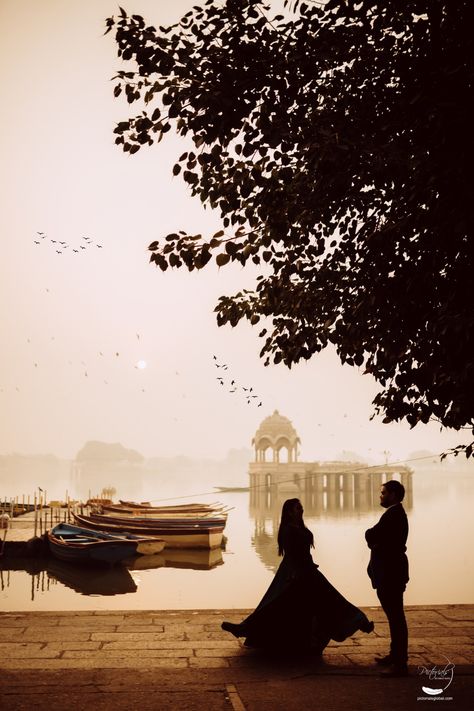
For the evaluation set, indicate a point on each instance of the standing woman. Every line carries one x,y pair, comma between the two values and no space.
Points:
301,610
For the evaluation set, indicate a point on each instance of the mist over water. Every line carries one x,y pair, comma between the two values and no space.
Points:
439,503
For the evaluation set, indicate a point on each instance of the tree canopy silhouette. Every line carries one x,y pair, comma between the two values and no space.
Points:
336,142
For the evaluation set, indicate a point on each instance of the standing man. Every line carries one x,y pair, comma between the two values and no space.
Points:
388,571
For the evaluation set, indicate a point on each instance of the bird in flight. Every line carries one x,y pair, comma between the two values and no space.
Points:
65,245
234,386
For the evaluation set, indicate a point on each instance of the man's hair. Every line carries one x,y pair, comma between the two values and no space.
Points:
394,486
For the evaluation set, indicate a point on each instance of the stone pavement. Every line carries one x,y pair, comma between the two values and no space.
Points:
182,659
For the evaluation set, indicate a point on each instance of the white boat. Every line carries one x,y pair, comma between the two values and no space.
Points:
182,535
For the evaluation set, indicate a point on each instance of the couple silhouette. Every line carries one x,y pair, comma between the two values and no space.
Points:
301,611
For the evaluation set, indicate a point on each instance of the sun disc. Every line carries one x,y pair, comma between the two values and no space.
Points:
141,364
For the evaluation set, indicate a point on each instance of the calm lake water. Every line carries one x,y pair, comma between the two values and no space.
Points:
439,508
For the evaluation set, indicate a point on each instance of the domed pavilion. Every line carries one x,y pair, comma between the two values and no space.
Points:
276,433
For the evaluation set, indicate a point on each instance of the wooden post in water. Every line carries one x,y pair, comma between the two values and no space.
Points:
41,504
36,516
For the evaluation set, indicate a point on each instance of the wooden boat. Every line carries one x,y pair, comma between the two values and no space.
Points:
229,489
149,525
171,508
175,536
79,544
157,513
148,520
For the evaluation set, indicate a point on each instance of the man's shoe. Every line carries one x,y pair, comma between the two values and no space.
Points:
395,670
384,661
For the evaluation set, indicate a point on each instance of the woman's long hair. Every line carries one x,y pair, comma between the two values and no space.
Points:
288,520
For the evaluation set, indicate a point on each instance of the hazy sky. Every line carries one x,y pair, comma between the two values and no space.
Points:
67,315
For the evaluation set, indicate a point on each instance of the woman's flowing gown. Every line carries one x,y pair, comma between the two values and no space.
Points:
301,609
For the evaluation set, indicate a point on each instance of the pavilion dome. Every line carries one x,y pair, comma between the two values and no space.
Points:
274,428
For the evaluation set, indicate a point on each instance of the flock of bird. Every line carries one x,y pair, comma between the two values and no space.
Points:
60,246
233,387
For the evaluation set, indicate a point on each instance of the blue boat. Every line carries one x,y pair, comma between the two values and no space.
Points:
77,544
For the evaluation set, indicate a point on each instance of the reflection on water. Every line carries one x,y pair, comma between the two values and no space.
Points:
96,580
188,559
439,506
330,495
101,580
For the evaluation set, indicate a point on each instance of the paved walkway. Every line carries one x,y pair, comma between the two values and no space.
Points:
182,659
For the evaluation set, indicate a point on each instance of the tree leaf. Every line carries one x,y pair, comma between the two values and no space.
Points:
222,259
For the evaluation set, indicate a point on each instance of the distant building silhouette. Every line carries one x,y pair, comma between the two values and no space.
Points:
334,487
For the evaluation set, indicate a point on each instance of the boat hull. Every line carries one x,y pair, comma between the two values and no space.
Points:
157,521
150,547
82,544
174,536
109,552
